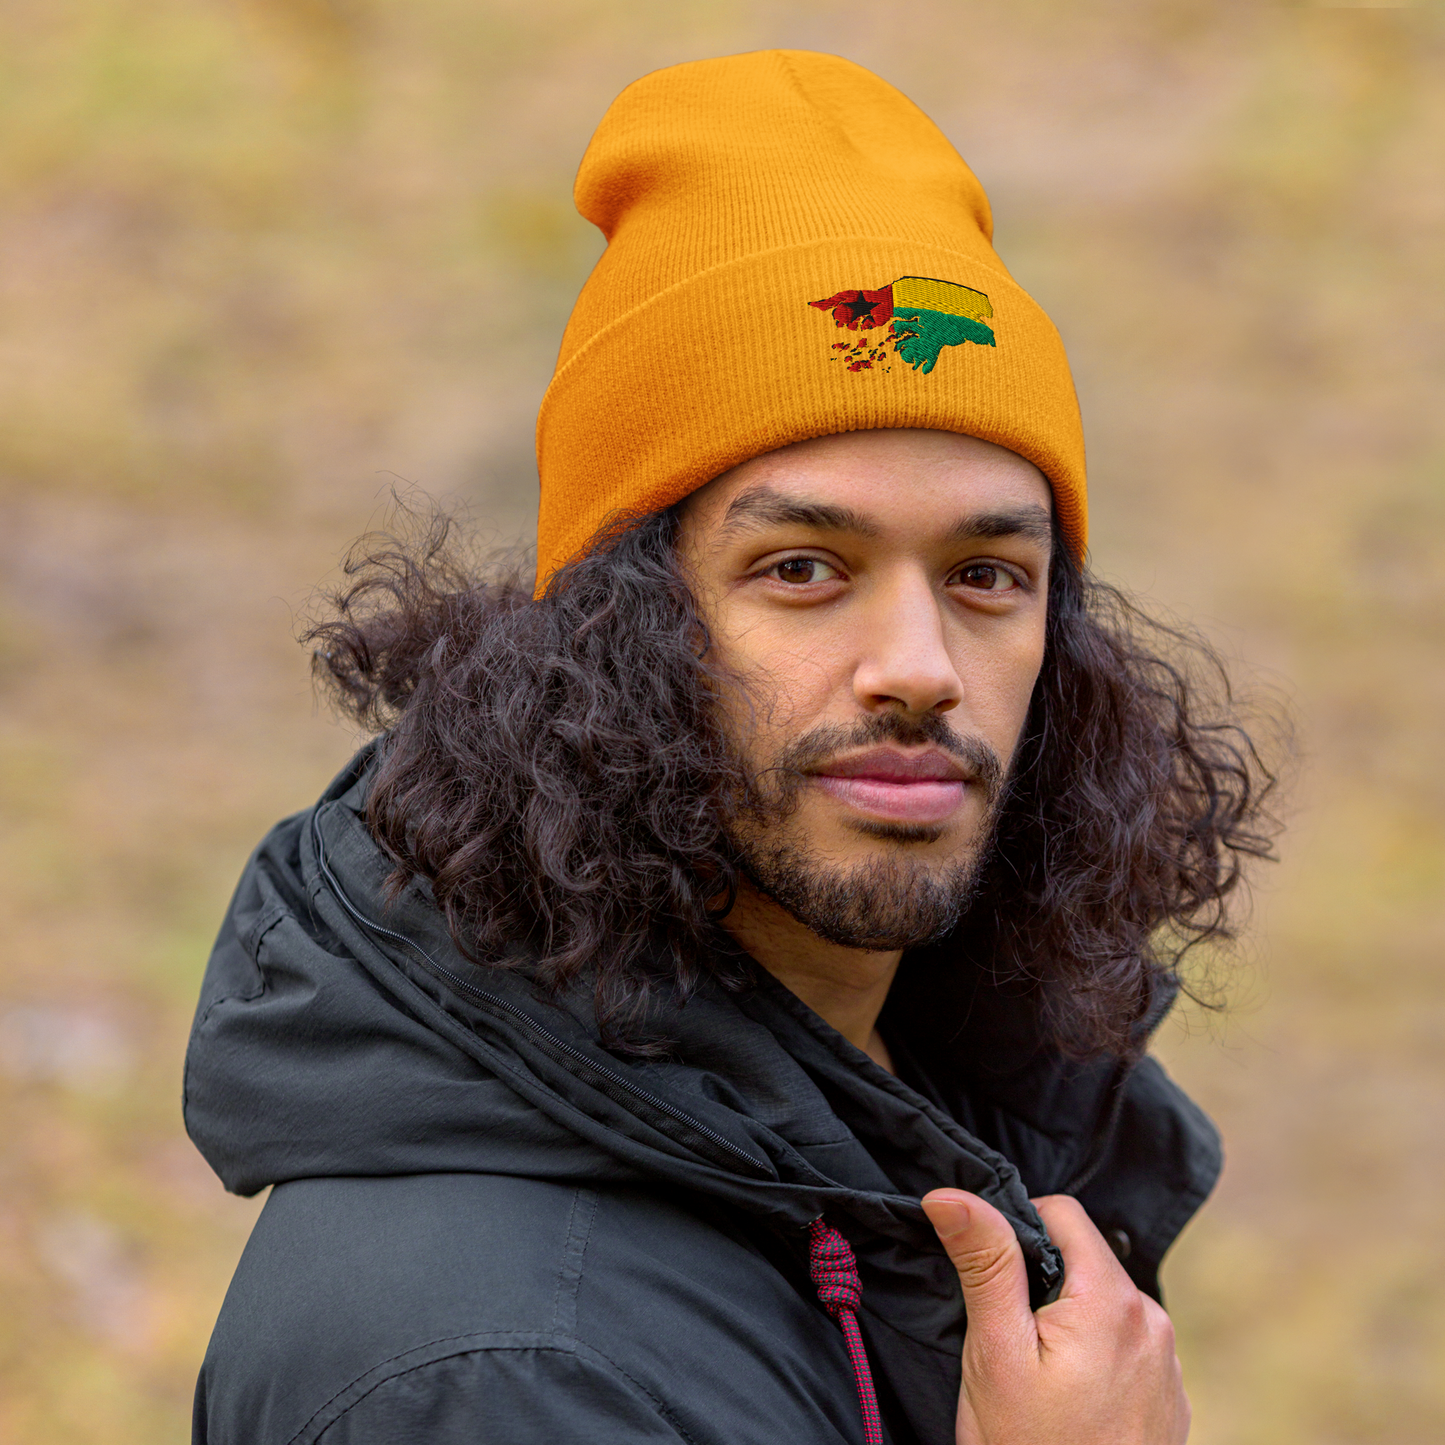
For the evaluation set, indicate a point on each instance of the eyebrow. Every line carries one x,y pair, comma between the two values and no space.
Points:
761,506
1034,522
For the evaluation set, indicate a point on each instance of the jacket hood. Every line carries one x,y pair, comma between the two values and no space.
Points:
337,1035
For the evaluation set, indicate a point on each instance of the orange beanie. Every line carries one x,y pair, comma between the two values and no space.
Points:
793,250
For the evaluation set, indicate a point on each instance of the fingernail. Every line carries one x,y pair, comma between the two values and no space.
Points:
952,1208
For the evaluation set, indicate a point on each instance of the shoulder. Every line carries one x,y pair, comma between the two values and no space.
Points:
353,1294
500,1387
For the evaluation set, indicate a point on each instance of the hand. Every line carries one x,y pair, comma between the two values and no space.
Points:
1096,1367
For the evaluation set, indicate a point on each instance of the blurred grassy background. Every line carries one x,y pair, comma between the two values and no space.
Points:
262,257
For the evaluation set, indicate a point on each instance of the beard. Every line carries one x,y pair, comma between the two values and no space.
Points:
897,900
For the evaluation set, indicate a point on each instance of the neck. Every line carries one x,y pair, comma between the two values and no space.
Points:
845,987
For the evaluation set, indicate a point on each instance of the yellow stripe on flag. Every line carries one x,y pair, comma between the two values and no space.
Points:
945,296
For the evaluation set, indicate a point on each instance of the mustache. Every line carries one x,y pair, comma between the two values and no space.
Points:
805,753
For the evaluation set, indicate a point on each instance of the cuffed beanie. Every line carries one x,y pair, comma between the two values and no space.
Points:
793,250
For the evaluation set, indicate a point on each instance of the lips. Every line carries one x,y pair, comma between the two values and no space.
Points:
899,787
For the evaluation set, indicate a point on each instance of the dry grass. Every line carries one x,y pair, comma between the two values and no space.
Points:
259,257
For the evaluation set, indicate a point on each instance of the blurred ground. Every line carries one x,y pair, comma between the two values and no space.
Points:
260,259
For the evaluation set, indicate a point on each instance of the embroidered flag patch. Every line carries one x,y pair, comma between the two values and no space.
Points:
921,315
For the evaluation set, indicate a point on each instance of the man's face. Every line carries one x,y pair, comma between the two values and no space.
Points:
882,596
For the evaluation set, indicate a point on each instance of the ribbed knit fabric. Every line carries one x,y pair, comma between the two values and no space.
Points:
794,250
835,1276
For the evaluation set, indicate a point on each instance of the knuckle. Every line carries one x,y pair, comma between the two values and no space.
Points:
1132,1312
1057,1205
1156,1321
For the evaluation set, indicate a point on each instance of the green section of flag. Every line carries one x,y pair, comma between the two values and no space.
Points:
922,334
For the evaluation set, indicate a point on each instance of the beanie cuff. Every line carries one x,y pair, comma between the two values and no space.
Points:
735,361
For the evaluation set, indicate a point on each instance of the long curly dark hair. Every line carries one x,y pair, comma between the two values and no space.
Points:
556,770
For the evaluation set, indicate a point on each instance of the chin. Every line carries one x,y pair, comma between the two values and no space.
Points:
922,849
874,897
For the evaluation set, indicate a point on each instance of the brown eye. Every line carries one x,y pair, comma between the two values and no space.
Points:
985,578
802,570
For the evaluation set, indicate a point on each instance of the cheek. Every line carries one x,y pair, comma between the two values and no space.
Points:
788,683
1026,681
998,682
1020,702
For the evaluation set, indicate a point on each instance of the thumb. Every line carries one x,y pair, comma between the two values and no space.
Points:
985,1252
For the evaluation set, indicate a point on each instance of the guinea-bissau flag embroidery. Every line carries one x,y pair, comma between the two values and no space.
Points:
922,316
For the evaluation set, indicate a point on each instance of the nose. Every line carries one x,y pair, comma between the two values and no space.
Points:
905,660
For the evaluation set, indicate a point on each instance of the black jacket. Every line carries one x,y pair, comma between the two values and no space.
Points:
485,1227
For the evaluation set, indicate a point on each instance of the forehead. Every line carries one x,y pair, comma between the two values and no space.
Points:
889,480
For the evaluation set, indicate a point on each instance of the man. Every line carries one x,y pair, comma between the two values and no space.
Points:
659,1031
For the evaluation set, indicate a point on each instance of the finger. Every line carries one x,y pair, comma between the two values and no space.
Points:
1089,1263
985,1252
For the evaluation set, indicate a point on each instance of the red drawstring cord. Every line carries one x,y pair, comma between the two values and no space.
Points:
835,1276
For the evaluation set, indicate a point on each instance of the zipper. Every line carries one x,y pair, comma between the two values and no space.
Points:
496,1001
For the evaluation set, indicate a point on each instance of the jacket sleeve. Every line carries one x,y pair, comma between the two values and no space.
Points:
499,1396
